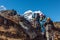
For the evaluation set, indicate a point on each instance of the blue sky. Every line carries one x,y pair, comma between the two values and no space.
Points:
50,8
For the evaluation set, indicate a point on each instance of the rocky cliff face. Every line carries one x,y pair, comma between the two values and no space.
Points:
57,24
9,26
10,29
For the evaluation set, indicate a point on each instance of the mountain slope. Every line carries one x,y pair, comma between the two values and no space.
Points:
11,29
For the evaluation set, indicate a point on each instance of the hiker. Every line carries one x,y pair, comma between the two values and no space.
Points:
36,20
49,29
42,20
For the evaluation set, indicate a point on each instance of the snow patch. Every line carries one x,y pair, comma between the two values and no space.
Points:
2,7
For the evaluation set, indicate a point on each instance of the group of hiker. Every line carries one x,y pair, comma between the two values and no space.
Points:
39,20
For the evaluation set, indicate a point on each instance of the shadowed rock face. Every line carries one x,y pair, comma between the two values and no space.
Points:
10,29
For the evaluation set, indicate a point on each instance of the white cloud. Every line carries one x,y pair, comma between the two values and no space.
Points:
27,12
2,7
38,12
